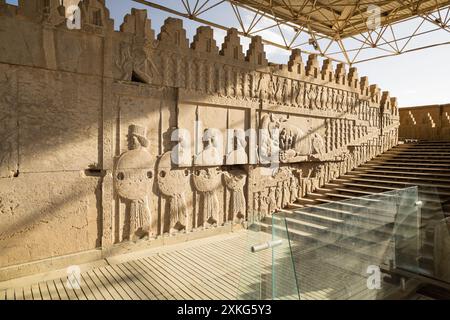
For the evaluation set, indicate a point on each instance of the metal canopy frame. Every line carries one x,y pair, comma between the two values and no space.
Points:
334,29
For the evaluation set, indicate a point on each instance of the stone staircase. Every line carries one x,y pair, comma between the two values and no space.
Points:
331,225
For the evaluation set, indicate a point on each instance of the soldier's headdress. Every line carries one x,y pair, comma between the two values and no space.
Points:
139,132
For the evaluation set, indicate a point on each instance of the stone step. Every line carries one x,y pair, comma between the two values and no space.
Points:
310,242
439,182
395,167
414,155
408,164
399,183
433,199
418,152
423,175
411,161
347,211
321,219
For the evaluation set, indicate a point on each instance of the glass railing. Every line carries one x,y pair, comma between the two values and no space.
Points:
267,271
359,248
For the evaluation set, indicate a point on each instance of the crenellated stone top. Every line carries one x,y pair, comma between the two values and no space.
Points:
95,18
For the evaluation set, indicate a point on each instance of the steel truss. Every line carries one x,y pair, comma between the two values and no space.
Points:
342,36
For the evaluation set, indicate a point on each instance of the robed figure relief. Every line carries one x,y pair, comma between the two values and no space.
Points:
133,179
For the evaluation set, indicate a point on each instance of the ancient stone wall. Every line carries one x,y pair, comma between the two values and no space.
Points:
109,136
425,122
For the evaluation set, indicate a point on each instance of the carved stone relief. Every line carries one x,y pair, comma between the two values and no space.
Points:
207,181
133,179
173,183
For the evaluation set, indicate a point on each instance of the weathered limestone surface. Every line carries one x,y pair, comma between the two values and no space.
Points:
48,214
425,122
90,151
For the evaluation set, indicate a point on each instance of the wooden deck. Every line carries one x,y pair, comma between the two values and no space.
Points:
221,267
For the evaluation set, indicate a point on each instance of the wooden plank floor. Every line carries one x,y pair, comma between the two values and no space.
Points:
219,268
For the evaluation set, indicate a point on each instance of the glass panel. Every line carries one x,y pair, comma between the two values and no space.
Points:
255,275
284,280
360,248
267,267
432,242
345,249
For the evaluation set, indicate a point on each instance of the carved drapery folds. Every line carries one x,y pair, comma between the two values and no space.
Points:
207,182
235,181
174,183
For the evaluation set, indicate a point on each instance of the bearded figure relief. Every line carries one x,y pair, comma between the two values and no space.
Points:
235,181
133,180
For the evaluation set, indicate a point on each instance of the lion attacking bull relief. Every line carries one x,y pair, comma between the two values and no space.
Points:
292,143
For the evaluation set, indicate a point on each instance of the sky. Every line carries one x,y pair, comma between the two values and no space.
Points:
416,78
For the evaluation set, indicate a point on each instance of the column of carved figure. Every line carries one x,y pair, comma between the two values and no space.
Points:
256,211
279,90
328,135
271,200
227,80
209,78
319,176
246,92
293,189
286,192
133,179
219,80
288,96
334,145
166,65
294,90
278,188
318,100
344,101
313,96
337,100
301,94
344,132
207,182
354,102
235,181
351,138
189,75
329,98
237,84
350,103
306,97
341,133
263,204
324,98
201,76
